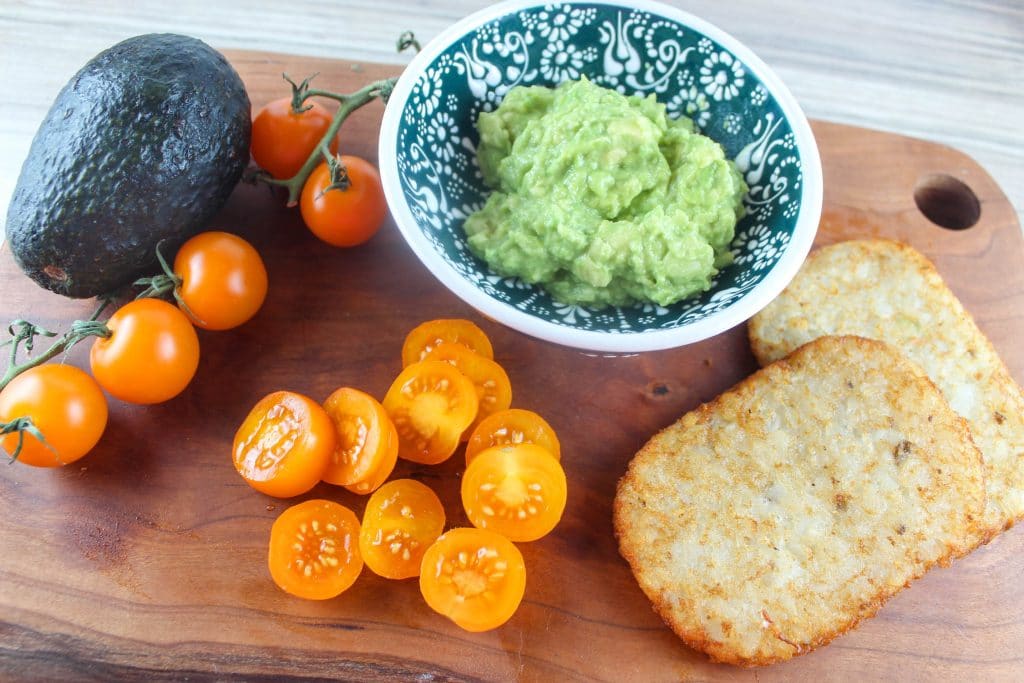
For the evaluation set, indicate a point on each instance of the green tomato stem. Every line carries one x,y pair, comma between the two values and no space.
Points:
348,103
159,285
299,91
407,40
21,426
24,332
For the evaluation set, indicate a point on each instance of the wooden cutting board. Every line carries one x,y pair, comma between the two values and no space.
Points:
147,560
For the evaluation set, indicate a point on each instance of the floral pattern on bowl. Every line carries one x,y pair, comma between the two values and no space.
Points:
635,52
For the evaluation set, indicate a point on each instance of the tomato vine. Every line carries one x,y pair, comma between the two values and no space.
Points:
347,103
23,333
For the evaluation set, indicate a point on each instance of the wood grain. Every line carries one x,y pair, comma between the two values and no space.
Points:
147,559
947,70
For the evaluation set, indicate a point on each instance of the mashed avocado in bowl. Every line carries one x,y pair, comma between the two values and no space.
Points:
602,199
578,213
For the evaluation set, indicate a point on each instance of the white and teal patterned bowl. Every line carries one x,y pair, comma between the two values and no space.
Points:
432,181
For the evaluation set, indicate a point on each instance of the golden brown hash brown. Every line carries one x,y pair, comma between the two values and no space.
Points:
771,520
888,291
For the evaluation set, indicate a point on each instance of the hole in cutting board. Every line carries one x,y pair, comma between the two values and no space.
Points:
947,202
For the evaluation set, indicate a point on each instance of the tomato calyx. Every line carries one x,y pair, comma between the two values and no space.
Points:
299,93
339,175
159,285
22,426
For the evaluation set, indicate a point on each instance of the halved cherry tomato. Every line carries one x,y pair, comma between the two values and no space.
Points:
367,445
376,478
402,519
474,577
151,355
431,404
65,405
426,336
284,445
314,550
493,388
518,491
223,280
349,217
510,427
283,139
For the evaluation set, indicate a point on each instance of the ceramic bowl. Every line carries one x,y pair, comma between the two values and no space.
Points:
432,179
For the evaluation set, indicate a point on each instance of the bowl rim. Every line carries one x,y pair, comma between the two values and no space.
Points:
595,340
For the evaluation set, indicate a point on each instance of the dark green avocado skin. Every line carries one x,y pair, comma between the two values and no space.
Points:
144,144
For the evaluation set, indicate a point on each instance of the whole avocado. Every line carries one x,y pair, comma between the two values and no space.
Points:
144,144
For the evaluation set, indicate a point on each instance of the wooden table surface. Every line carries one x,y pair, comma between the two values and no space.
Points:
885,66
146,561
944,70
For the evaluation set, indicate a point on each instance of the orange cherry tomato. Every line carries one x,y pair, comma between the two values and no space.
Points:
402,519
283,139
284,445
426,336
518,491
510,427
150,356
474,577
223,280
431,403
349,217
64,403
493,388
314,550
367,445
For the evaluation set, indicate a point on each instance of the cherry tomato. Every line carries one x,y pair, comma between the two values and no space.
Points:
284,445
493,388
426,336
367,445
518,491
509,427
223,280
151,355
314,550
402,519
431,403
344,218
474,577
282,139
65,405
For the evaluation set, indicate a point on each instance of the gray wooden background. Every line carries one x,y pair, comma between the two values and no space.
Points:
947,71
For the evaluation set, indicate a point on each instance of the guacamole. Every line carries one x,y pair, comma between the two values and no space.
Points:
601,198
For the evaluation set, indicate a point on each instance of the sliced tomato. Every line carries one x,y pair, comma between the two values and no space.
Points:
511,427
284,445
314,550
518,491
367,446
402,519
493,388
426,336
474,577
431,403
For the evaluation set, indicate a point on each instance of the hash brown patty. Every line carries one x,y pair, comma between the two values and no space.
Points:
889,291
769,521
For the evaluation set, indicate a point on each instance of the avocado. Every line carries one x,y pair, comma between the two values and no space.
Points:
143,145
